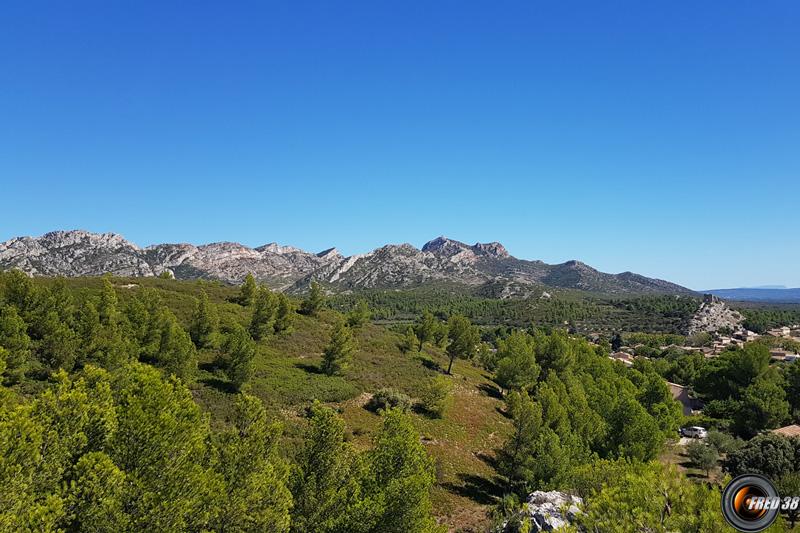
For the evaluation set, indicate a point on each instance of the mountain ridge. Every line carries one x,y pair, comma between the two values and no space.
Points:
759,294
392,266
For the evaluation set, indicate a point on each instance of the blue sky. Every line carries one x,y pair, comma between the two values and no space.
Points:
662,139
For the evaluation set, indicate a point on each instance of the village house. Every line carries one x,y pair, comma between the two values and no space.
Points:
624,357
745,335
779,354
692,349
680,393
782,331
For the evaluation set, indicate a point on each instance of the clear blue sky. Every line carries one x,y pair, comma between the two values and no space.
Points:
662,138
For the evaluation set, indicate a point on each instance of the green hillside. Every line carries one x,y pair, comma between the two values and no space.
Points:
287,378
196,406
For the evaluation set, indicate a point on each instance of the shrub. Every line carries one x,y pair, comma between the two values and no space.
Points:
702,456
723,442
767,454
388,399
435,398
409,342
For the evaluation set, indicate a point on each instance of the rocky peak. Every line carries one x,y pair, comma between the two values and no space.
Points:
494,249
275,248
63,239
450,247
391,251
330,253
445,246
577,265
227,250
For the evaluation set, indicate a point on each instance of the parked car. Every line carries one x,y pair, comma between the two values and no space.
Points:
694,432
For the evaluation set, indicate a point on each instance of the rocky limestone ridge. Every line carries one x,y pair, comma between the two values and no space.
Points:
81,253
714,315
545,511
393,266
449,247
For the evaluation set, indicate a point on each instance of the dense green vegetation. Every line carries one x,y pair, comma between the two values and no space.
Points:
582,312
742,391
159,405
126,448
571,406
760,319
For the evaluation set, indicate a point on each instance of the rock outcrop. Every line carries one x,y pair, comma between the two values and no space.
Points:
548,511
484,266
714,315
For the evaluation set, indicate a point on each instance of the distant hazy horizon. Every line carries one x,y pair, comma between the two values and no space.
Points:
659,139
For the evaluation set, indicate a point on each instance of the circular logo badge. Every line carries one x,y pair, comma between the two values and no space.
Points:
750,503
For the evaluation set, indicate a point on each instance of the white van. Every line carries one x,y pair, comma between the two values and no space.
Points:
695,432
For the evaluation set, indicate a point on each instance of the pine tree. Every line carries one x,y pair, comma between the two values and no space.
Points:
616,341
89,329
95,495
247,293
401,476
440,334
262,323
58,298
435,396
176,352
239,350
632,431
161,443
315,300
464,339
254,494
359,315
14,338
105,344
107,308
339,351
555,353
3,366
285,314
20,291
516,362
426,329
409,342
517,457
58,345
205,323
40,444
325,482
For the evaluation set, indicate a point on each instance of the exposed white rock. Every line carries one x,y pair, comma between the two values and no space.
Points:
550,511
74,253
714,315
276,248
330,253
